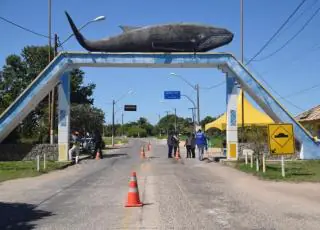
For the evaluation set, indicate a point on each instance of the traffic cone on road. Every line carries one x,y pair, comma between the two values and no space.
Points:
142,153
178,154
133,194
98,157
149,146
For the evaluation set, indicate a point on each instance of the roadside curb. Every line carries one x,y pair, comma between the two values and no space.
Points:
70,163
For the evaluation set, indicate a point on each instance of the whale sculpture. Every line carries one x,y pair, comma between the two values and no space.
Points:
180,37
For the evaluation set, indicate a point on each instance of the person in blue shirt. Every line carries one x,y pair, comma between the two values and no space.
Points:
201,142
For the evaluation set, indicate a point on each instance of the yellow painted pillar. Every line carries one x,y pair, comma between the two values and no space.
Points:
64,116
232,128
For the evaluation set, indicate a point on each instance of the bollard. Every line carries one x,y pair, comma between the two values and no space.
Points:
263,163
251,160
38,163
282,167
257,164
44,161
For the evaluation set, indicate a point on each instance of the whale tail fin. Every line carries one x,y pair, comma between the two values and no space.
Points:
83,42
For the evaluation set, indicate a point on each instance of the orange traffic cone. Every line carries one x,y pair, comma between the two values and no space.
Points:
133,194
98,157
149,146
142,153
178,154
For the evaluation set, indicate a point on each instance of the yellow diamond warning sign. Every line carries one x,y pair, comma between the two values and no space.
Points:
281,139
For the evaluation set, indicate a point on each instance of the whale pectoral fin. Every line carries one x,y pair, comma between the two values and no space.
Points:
129,28
175,46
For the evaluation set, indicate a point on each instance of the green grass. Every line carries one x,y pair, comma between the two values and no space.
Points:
216,142
18,169
296,171
117,140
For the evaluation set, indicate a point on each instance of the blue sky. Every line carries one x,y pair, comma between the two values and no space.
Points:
292,69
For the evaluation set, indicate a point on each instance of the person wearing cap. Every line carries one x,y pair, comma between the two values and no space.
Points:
75,140
201,142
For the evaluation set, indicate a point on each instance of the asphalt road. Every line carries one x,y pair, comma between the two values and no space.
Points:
178,194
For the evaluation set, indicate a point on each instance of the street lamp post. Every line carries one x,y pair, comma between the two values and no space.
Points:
196,88
159,123
56,45
113,104
99,18
198,102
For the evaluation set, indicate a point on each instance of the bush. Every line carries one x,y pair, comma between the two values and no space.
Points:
136,132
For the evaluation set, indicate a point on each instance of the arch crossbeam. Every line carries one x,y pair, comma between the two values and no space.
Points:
51,76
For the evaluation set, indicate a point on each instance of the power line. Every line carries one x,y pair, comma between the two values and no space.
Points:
277,32
292,38
302,91
281,97
300,15
24,28
214,86
295,59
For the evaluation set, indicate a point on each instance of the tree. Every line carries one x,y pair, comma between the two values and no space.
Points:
80,94
19,71
136,131
207,120
86,118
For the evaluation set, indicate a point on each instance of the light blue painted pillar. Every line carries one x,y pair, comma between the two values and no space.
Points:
64,116
232,128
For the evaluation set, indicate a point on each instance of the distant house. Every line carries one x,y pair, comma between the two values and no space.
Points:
310,119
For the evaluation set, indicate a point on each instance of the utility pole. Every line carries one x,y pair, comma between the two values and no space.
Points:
167,122
112,141
53,97
193,118
242,92
122,124
198,103
175,120
55,45
49,60
159,124
49,35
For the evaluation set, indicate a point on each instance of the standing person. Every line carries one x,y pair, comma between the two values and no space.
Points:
224,147
75,140
170,144
97,143
201,142
176,142
188,145
193,145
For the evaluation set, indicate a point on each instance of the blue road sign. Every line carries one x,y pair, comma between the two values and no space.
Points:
172,95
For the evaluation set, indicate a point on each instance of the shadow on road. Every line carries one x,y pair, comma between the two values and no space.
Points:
114,155
116,147
20,215
153,157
